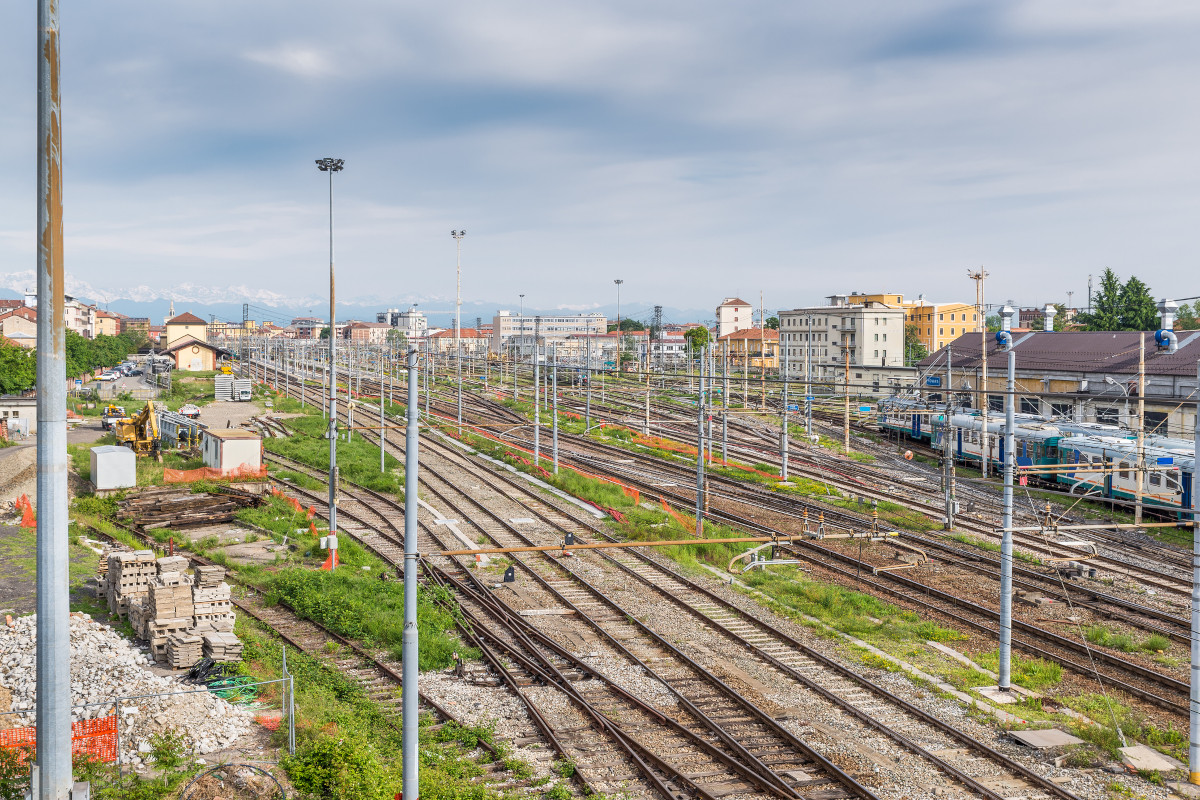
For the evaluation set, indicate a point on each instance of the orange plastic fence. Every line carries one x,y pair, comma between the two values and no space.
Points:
27,518
667,507
203,473
94,737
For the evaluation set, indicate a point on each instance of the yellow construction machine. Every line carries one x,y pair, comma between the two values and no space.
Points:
140,432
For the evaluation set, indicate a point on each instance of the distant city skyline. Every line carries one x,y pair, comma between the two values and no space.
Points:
692,151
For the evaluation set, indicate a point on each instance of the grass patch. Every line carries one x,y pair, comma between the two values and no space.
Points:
1106,637
1170,740
357,459
1032,673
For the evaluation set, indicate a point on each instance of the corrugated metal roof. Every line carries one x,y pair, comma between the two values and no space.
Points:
1076,351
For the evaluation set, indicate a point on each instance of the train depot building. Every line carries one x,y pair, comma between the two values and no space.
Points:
1077,376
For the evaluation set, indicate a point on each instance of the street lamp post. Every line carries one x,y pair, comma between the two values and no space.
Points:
332,165
458,237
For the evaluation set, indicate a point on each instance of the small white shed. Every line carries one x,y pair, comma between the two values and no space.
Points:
232,449
113,468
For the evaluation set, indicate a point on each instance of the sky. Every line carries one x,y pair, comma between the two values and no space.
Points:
695,150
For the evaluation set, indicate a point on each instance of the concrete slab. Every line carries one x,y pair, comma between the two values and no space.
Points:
994,694
1045,738
1184,789
1142,757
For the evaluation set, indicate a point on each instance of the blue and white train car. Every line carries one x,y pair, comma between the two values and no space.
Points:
1168,482
907,416
1036,439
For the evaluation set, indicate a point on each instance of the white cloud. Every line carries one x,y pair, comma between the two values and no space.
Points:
298,59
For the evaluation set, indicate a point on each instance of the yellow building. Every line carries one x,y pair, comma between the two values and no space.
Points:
937,324
106,324
751,348
186,324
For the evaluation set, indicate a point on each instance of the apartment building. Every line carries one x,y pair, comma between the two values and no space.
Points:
412,323
872,333
548,327
734,314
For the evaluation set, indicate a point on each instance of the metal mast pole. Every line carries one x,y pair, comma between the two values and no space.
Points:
458,237
808,381
1194,714
53,711
783,442
537,405
1141,432
618,282
382,420
700,451
332,165
947,446
554,412
725,403
846,388
410,690
986,452
587,414
1006,520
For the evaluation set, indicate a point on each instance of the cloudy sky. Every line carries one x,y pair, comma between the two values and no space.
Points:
695,149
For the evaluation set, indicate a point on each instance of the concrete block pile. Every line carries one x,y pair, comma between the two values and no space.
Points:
105,666
171,609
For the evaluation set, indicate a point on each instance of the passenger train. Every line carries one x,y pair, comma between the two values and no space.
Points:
1041,441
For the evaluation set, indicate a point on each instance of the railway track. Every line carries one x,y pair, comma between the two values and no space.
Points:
776,652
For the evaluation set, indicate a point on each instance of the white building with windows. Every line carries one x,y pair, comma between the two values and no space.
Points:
412,323
734,314
815,340
548,327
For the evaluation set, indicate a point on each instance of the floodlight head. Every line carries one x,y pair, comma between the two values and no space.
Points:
330,164
1108,379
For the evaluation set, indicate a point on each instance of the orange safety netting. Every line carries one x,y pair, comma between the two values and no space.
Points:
190,475
94,737
291,501
675,447
26,508
678,518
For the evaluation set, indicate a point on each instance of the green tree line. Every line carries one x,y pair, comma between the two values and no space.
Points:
18,366
1118,306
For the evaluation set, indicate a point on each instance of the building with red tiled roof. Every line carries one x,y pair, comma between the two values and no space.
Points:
751,347
186,324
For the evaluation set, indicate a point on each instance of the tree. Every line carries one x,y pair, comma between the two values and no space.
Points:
1139,312
627,325
1187,318
992,323
697,337
18,367
1106,305
914,348
395,337
325,332
772,323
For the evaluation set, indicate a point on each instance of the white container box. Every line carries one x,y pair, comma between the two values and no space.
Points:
113,467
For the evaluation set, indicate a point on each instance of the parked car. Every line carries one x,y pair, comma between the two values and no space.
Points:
109,376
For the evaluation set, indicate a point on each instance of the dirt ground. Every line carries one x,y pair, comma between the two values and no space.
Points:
228,415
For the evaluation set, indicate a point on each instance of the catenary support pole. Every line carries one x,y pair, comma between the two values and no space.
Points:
410,690
53,710
554,410
948,444
1141,431
537,406
382,419
1006,519
1194,715
725,403
700,450
783,433
587,413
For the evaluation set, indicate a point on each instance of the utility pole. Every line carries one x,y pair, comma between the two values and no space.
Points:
1141,432
537,401
332,165
762,354
1194,714
846,389
382,418
458,237
53,665
554,410
587,418
409,698
783,440
700,451
808,380
618,282
1006,519
947,444
986,453
725,403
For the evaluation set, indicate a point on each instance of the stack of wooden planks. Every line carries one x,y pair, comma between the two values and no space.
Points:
178,507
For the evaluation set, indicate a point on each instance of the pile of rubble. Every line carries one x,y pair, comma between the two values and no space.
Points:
105,666
173,611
